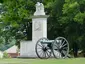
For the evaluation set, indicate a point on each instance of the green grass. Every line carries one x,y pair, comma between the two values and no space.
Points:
43,61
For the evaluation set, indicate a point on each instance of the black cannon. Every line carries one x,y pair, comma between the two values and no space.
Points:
59,48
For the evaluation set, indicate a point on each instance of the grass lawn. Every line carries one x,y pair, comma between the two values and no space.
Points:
43,61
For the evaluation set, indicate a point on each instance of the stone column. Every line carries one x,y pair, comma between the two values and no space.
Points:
39,27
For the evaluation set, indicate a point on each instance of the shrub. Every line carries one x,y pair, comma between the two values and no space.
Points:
6,55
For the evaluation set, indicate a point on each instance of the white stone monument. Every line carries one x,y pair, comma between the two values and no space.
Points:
39,30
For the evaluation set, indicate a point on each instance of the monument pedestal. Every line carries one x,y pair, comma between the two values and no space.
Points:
27,49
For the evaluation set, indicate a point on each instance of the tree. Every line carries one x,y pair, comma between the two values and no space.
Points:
14,22
73,16
13,14
67,19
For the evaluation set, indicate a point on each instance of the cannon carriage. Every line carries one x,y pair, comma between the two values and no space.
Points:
59,48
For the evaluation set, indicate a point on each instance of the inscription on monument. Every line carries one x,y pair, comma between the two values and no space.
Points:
37,26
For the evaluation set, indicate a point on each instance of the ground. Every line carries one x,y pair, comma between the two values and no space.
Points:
43,61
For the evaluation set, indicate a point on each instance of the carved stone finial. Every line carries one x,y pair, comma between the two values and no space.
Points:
39,9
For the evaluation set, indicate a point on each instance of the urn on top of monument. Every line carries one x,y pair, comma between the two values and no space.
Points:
39,9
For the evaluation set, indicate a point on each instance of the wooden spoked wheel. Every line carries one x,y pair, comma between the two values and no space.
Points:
60,47
42,49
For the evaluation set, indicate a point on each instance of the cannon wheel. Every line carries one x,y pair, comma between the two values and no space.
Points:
42,50
60,47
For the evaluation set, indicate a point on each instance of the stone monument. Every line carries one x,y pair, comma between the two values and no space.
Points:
39,30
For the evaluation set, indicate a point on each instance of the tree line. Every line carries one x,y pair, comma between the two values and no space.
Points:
66,18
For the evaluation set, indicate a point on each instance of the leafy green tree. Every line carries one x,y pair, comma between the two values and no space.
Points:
16,14
67,19
74,16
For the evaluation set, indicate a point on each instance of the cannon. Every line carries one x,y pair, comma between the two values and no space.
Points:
58,48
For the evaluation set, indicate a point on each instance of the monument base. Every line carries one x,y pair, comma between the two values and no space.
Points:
27,49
